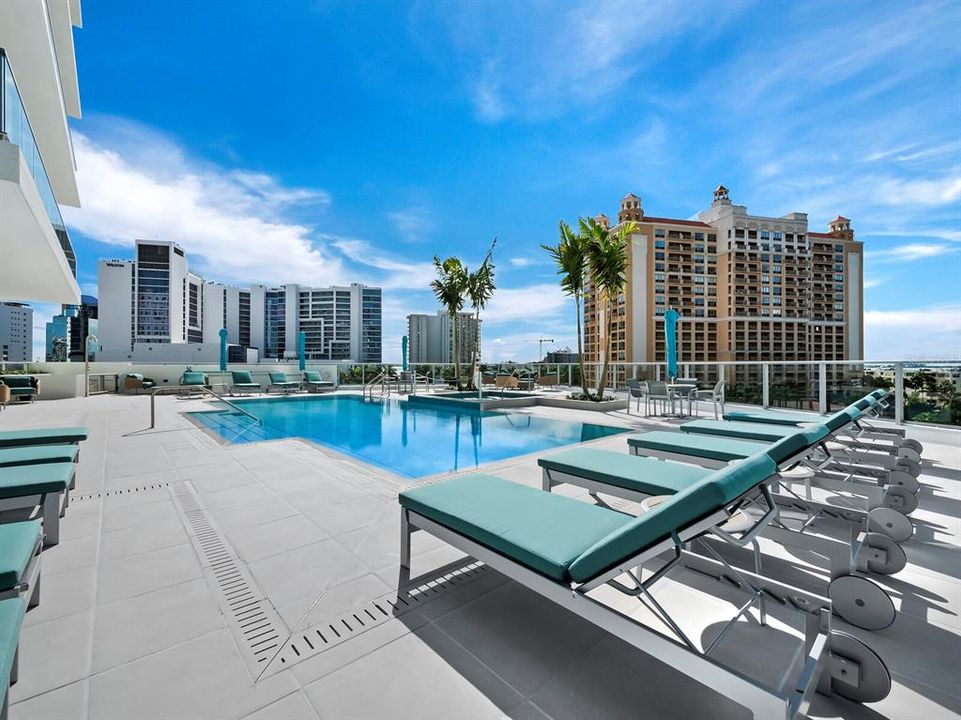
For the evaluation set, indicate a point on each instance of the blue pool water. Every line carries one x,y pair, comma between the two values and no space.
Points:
410,441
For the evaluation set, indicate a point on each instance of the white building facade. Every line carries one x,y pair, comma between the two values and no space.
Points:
16,332
430,338
154,308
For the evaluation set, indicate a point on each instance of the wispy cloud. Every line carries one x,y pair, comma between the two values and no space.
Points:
534,304
909,252
926,333
874,282
412,224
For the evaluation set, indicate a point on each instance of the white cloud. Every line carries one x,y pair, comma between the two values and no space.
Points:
396,273
534,304
908,252
230,222
521,262
874,282
927,333
412,224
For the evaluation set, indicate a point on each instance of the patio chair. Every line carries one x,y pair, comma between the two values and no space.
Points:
11,620
21,387
849,560
562,548
547,382
715,395
20,546
314,382
506,382
279,381
639,389
135,382
45,487
660,392
241,381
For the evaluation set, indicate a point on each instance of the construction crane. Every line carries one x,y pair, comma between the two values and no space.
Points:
540,346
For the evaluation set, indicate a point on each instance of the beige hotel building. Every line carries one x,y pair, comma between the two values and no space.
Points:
747,287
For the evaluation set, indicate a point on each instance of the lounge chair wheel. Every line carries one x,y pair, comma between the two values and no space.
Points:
895,557
861,602
900,499
909,453
902,479
909,466
891,523
872,680
914,444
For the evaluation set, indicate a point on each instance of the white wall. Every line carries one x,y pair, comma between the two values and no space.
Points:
114,284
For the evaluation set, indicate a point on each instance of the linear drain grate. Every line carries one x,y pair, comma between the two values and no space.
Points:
303,644
249,614
121,491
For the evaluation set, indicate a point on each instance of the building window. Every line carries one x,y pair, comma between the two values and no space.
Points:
658,232
765,278
739,232
698,236
658,256
765,235
659,244
839,277
778,236
658,277
839,248
659,267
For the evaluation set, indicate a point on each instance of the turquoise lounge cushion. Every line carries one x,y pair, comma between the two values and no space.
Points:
242,377
11,618
192,377
763,432
18,382
879,394
774,417
312,377
539,530
279,378
22,480
699,500
18,540
38,454
42,436
704,446
641,474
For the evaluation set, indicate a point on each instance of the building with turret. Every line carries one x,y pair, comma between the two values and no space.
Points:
747,287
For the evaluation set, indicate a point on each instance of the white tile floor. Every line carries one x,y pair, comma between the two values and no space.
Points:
129,626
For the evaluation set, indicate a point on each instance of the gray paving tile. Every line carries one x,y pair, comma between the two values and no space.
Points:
65,703
309,611
63,594
242,516
343,517
203,679
142,537
72,555
146,572
118,518
414,666
266,539
53,654
234,496
129,629
293,707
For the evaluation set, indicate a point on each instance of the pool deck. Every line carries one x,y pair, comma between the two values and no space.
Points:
136,617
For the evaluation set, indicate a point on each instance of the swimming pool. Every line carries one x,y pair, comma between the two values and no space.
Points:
410,441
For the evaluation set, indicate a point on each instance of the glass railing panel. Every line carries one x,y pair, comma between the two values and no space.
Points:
793,386
845,384
932,393
16,125
743,383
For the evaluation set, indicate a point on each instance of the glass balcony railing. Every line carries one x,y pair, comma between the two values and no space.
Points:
15,124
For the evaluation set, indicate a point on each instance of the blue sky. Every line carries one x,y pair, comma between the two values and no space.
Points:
322,142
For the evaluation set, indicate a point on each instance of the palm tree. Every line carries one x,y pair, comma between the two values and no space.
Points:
479,289
570,256
608,259
449,289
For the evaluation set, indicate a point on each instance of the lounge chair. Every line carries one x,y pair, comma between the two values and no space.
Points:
22,387
279,381
42,436
45,488
241,381
314,382
193,379
857,598
562,549
20,546
135,382
506,382
38,454
547,382
11,619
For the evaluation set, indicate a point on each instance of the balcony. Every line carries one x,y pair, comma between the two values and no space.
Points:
38,255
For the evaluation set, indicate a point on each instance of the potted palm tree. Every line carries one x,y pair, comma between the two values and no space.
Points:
479,289
450,288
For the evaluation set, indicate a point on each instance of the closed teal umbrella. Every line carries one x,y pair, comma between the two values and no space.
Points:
670,336
403,351
302,349
223,350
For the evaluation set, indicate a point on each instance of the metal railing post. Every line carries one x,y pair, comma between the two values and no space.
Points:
899,393
823,388
766,385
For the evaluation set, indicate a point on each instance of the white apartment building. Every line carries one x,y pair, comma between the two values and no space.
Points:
16,332
38,74
430,338
154,308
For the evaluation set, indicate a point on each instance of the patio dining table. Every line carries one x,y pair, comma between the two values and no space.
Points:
685,389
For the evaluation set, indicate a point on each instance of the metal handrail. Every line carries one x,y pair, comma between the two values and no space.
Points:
381,378
192,388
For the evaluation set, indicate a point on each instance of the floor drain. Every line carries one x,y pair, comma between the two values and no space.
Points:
121,491
303,644
250,616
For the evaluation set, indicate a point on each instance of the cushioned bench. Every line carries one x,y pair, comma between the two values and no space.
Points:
38,454
21,386
241,380
45,486
279,380
20,559
643,475
11,620
42,436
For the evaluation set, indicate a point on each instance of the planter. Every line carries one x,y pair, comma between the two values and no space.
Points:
603,406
